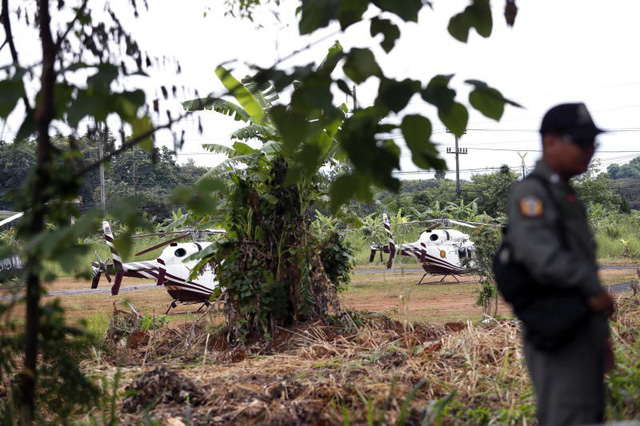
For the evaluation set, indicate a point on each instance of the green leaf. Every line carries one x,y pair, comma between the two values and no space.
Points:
292,126
405,9
27,128
488,100
453,114
316,14
244,149
477,15
455,118
349,187
103,78
360,65
334,55
417,134
388,29
219,149
395,95
10,93
344,87
438,93
80,108
313,95
218,105
372,157
282,79
351,12
62,97
255,131
125,104
243,96
140,127
416,130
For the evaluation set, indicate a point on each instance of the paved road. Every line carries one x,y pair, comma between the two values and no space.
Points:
79,291
412,270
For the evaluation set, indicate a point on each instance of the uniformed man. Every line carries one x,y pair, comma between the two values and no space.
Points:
568,381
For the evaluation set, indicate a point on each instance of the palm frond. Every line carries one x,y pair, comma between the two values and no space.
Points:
255,131
218,105
219,149
251,104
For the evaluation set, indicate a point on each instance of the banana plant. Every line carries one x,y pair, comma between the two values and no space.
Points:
306,150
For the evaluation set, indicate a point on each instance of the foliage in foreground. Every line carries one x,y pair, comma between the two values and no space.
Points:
65,389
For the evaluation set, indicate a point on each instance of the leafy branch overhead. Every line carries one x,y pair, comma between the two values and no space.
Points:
367,136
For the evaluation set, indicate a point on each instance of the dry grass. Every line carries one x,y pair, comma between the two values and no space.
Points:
316,374
394,369
388,372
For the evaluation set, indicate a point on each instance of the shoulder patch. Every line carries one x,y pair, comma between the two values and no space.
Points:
531,206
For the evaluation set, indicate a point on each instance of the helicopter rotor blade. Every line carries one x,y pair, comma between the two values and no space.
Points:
95,266
162,244
457,222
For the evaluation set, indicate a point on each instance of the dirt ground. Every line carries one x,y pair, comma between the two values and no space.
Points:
415,347
392,292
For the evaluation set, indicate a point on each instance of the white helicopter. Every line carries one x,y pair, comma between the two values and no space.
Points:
11,266
439,251
170,269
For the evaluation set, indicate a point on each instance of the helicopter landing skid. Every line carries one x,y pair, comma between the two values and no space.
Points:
174,303
441,279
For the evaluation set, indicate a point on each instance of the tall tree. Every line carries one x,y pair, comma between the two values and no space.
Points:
85,54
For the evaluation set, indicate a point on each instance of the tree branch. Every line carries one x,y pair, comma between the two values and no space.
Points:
126,145
70,26
6,23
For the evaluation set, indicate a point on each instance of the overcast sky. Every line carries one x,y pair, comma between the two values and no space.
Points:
558,51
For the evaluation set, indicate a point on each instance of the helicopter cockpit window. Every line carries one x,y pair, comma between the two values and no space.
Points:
433,237
462,253
180,252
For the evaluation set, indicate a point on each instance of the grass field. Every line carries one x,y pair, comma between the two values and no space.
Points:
390,292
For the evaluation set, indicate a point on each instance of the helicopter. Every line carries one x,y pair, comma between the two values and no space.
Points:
11,266
444,251
171,269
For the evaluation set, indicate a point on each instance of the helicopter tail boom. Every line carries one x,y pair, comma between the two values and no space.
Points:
392,243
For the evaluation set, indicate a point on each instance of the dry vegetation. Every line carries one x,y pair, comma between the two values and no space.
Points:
420,352
389,372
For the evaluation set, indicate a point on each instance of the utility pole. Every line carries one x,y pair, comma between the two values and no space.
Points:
103,133
522,157
457,153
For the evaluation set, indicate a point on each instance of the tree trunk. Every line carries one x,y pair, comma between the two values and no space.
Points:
35,219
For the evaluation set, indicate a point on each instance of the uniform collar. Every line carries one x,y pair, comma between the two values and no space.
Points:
549,175
546,173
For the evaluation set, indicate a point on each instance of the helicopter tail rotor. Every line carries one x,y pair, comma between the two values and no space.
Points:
99,268
376,248
96,274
